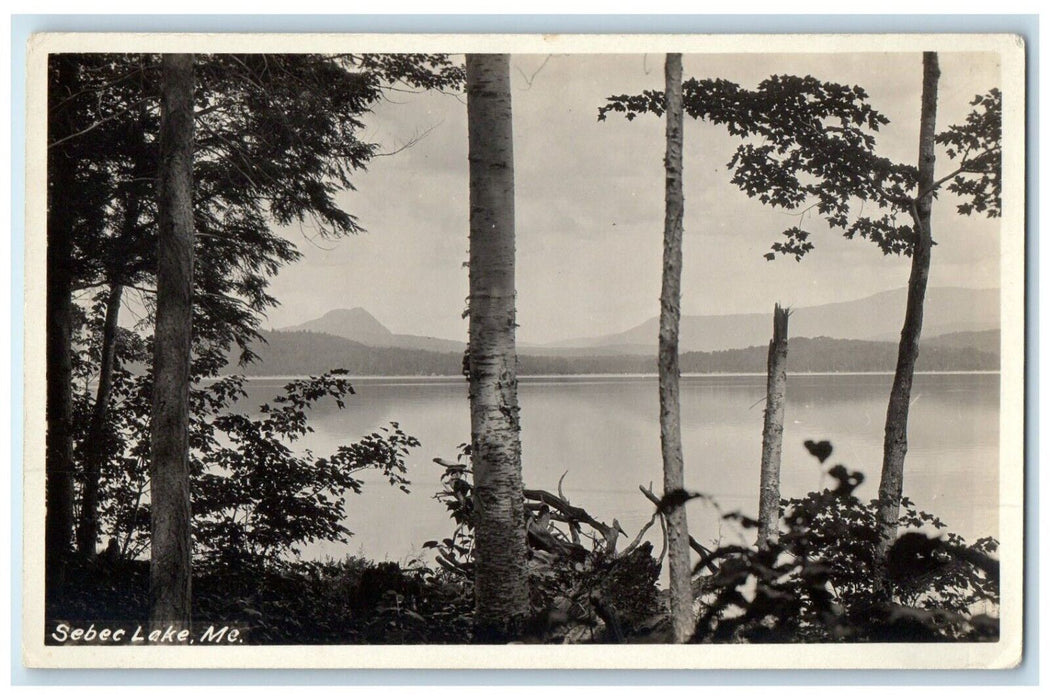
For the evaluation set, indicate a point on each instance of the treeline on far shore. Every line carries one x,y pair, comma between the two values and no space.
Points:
304,353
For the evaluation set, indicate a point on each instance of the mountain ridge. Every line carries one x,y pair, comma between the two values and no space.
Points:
358,325
306,352
877,317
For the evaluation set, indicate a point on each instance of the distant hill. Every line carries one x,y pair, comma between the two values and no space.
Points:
836,355
948,311
306,352
353,324
362,327
878,317
296,353
985,341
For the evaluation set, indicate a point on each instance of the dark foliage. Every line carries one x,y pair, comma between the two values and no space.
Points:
821,450
581,588
976,146
813,585
255,497
353,601
806,144
816,583
277,137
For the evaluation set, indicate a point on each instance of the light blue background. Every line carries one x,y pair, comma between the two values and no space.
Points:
22,26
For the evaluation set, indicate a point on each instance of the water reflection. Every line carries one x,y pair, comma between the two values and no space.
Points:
604,432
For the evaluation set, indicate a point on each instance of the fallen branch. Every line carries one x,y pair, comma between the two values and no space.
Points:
697,547
541,538
575,513
638,538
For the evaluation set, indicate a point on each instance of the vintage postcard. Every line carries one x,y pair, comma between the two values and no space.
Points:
479,351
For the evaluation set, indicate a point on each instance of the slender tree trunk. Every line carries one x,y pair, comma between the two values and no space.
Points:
501,583
773,430
59,330
95,454
896,439
682,618
171,540
95,447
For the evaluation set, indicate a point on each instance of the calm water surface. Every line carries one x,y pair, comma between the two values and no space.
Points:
604,431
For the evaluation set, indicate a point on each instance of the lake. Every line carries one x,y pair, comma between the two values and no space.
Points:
604,432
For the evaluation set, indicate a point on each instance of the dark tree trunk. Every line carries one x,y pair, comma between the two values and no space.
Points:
773,430
95,444
682,618
59,444
896,438
501,583
171,539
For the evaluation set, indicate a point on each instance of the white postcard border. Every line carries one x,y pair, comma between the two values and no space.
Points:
1005,653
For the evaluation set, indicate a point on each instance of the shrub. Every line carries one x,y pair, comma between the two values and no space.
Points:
819,581
581,588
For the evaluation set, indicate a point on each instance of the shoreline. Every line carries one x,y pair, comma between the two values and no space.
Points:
448,378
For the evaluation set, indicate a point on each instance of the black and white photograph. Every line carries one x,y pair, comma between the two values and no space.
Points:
490,351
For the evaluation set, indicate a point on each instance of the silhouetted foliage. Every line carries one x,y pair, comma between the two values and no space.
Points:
351,601
817,582
582,589
809,144
821,450
256,497
277,137
976,145
254,494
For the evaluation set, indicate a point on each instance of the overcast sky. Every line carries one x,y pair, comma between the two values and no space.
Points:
589,200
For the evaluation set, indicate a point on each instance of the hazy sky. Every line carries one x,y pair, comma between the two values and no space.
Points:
589,199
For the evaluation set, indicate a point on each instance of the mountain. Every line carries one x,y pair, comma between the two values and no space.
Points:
358,325
354,324
878,317
948,311
300,353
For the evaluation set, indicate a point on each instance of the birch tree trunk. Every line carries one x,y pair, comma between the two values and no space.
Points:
95,453
171,540
895,445
773,431
682,618
501,583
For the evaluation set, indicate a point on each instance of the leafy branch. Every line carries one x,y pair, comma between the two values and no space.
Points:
805,143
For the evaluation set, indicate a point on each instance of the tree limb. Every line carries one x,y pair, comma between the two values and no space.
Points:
697,547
